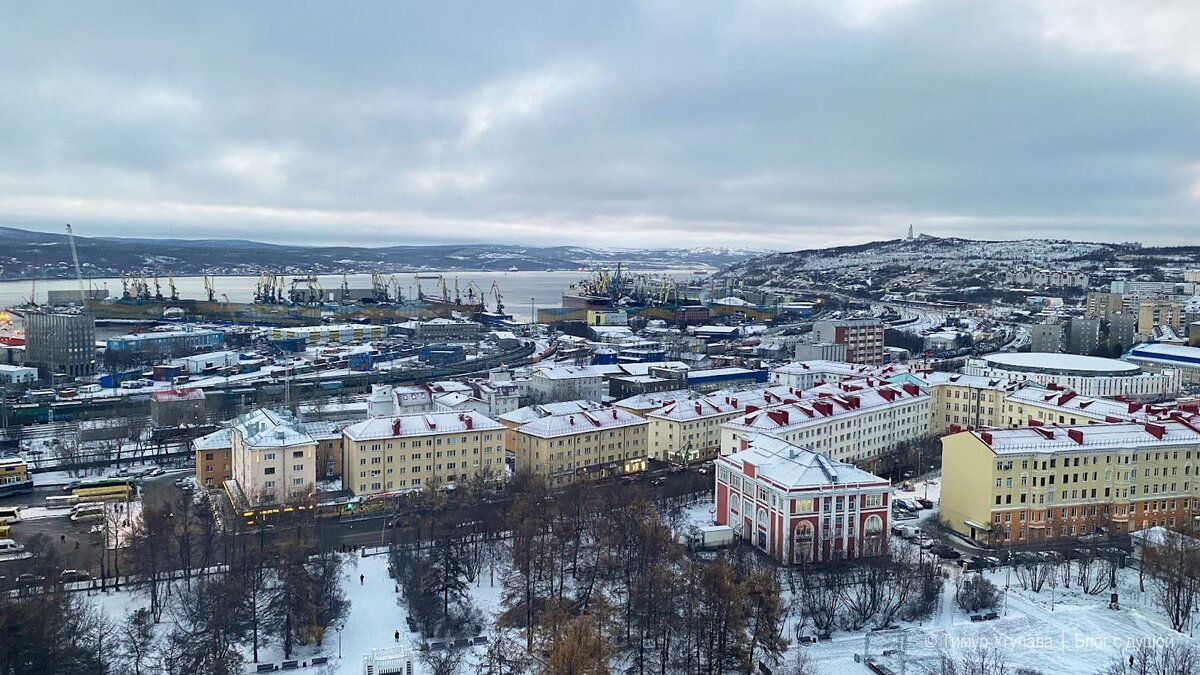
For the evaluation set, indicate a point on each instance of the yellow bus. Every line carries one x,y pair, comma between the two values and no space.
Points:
104,490
14,477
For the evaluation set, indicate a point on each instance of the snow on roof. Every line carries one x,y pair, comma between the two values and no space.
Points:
324,431
682,410
268,429
655,400
170,395
1163,352
217,440
823,366
421,424
1064,364
610,369
815,409
733,301
567,372
454,399
156,335
1087,406
790,466
1096,436
935,378
581,422
720,372
533,412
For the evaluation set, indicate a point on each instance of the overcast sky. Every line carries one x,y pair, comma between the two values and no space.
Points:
764,123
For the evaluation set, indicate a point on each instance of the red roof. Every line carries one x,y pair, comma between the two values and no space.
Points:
167,395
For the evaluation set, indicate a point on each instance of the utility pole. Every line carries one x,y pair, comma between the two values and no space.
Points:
75,259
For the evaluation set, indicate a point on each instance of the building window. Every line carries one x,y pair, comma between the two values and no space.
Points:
269,471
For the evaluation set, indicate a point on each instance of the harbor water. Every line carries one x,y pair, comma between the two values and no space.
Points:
522,292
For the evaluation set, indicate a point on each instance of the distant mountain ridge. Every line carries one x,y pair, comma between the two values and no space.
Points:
944,259
27,254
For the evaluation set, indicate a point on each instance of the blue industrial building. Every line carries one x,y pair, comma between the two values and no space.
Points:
166,341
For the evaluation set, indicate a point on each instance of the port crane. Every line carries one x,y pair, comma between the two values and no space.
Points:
75,259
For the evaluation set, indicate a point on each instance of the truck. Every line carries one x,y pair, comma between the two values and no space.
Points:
712,536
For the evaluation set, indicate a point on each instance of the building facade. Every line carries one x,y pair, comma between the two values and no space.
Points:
1040,483
565,383
966,401
61,344
863,338
800,506
409,452
582,446
1046,337
855,425
214,458
274,461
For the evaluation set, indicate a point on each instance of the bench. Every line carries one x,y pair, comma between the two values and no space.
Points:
265,668
990,616
290,665
480,640
824,636
319,660
976,617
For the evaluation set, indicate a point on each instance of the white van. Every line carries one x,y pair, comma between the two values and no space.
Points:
10,514
10,546
89,389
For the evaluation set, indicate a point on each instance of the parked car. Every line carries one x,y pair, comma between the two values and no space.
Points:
945,552
925,503
68,576
972,564
28,579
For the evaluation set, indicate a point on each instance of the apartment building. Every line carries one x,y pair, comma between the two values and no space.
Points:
582,446
800,506
1047,337
689,430
566,383
1034,484
214,458
1034,278
1153,313
1035,405
863,338
1103,305
966,400
408,452
853,426
273,460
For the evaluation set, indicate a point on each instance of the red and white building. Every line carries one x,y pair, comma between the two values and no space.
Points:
800,506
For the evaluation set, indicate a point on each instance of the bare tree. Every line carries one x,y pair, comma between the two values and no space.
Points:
1158,657
1174,562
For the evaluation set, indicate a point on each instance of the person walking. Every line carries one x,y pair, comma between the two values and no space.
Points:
397,636
361,580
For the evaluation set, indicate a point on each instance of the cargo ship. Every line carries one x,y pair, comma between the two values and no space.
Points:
303,302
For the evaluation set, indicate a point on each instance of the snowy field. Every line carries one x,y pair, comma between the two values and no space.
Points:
375,616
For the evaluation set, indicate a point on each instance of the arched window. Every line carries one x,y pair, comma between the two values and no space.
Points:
874,525
762,519
802,542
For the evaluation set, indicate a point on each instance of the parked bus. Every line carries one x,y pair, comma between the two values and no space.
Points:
10,514
87,506
104,489
61,501
14,477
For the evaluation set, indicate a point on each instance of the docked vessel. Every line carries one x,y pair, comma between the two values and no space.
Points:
277,302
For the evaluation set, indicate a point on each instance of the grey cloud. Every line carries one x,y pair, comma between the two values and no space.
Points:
641,123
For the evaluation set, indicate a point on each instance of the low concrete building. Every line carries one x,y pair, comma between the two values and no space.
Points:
177,408
17,374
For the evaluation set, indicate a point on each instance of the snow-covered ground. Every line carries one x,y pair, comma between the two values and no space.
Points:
375,615
1079,634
